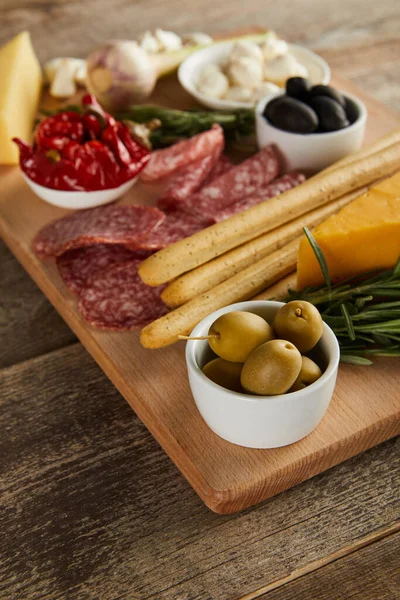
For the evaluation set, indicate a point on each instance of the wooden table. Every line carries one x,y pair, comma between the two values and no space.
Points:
91,506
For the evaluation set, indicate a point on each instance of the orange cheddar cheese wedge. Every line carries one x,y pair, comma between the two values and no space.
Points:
363,236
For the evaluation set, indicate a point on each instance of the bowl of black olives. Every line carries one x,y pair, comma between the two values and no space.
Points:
262,373
313,125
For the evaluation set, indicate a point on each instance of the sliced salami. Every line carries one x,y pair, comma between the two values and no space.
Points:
177,225
102,225
117,299
188,180
283,184
246,179
222,166
164,162
77,266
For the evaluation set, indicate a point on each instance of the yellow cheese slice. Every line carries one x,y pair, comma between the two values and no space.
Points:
363,236
20,87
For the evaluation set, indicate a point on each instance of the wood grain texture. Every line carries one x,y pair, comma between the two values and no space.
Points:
374,569
92,508
29,326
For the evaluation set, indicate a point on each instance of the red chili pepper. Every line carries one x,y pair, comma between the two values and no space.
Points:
110,137
74,151
92,127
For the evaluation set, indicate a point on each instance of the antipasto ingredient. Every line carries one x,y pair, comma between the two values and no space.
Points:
248,178
212,82
327,91
224,373
176,226
63,75
309,373
291,115
195,282
84,151
102,225
234,335
363,312
331,115
276,187
242,286
116,299
300,323
271,368
364,236
77,266
164,162
179,124
20,88
298,87
221,237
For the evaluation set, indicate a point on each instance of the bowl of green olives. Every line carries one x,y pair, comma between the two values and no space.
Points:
262,373
313,125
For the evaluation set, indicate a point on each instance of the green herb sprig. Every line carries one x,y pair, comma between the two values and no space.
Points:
180,124
363,312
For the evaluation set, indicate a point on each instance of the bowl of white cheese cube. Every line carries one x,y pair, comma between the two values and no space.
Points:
237,74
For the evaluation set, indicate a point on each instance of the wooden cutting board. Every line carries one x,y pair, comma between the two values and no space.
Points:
365,409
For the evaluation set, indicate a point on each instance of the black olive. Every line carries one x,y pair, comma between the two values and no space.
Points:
330,113
269,104
298,87
292,115
330,92
351,110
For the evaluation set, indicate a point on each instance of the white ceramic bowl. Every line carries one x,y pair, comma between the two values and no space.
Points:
314,151
78,200
189,72
260,421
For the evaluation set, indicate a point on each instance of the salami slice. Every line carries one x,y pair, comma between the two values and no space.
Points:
222,166
245,179
117,299
283,184
188,180
164,162
102,225
77,266
177,225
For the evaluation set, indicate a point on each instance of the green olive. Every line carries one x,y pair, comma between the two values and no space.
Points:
271,369
300,323
309,373
224,373
235,334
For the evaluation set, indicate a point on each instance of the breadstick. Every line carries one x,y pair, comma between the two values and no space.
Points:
195,282
217,239
244,285
393,137
279,290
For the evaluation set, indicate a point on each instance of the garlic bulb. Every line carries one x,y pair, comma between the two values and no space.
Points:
120,73
246,49
168,40
246,72
212,82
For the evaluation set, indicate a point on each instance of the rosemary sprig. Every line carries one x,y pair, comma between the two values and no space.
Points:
363,312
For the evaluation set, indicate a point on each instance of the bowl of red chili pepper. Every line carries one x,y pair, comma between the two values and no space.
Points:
81,159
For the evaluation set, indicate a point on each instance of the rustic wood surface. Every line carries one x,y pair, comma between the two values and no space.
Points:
92,506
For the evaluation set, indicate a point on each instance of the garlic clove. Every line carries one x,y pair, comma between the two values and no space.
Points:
81,73
168,40
197,38
149,43
246,49
63,84
246,72
51,66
